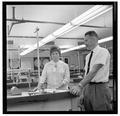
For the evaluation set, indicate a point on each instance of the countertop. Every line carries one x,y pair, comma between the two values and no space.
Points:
45,96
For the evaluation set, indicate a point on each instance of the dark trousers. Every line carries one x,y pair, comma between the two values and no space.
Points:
97,97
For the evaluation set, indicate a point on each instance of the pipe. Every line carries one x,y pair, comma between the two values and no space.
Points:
13,12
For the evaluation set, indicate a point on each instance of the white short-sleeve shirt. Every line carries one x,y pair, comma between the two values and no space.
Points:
100,56
55,74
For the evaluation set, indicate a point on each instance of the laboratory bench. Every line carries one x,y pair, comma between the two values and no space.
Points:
49,100
56,101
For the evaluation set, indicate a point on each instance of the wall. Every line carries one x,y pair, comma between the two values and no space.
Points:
12,57
81,60
27,61
75,58
72,56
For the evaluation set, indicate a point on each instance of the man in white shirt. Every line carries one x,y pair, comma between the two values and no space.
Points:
93,88
55,73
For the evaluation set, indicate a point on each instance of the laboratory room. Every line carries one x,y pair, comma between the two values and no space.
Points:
60,58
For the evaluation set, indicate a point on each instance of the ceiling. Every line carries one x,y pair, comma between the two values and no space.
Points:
49,18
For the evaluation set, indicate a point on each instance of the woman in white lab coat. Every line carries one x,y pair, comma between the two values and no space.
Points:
55,73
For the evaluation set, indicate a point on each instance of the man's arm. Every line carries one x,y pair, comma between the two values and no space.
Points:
77,90
91,74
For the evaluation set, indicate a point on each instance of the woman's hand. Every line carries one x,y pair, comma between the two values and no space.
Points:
35,89
61,86
39,87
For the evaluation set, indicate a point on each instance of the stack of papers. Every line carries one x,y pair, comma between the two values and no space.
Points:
55,90
47,91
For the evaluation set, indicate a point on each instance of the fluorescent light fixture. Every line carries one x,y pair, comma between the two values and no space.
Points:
82,19
86,19
74,48
47,39
83,46
27,51
41,43
66,46
97,14
105,39
90,14
63,30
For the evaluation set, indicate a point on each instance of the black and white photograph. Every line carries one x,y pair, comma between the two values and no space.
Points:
60,57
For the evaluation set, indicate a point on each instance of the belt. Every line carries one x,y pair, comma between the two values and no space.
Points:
97,82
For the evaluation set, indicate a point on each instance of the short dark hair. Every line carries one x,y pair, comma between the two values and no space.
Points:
55,48
91,33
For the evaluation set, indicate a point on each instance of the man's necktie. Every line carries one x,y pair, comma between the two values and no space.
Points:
88,68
